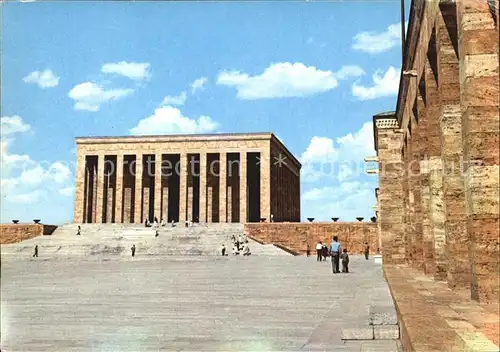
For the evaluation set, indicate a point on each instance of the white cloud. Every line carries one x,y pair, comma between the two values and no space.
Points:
341,159
31,197
378,42
348,71
175,99
59,172
169,120
90,96
67,191
320,149
384,84
32,176
44,79
198,84
133,70
285,79
28,187
334,179
347,201
12,124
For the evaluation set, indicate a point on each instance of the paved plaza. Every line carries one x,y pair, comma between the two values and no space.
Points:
273,303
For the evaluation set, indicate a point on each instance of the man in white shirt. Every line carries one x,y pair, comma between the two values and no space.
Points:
319,248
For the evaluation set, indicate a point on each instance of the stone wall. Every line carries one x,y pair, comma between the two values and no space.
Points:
446,139
12,233
297,236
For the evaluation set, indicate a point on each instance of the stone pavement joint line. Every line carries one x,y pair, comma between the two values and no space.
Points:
196,303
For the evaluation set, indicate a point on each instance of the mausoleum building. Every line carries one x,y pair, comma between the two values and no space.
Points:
204,177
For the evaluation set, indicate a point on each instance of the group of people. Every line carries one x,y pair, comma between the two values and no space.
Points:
157,223
337,253
240,245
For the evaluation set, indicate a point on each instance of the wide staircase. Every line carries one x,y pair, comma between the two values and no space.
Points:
117,239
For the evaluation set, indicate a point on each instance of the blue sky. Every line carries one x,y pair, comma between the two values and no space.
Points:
313,73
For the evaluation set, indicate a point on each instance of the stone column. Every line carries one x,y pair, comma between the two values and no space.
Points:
79,188
427,237
243,187
223,188
430,148
183,175
100,189
164,196
457,245
119,189
109,194
138,189
391,206
415,190
437,217
203,187
479,86
158,186
406,200
209,204
88,195
265,185
94,192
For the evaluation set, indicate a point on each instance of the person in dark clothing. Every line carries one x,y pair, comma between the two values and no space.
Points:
367,250
78,233
345,261
133,250
335,251
223,250
35,254
324,251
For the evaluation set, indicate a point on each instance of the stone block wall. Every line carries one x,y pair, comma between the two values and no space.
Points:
441,213
13,233
298,236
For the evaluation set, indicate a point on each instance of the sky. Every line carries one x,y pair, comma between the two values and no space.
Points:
313,72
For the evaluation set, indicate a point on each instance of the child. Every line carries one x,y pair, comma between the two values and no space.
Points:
345,261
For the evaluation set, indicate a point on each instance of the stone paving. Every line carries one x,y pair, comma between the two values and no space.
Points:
261,303
435,318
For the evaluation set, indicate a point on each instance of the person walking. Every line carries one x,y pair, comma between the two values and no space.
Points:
319,247
35,254
335,250
78,233
367,250
133,250
324,251
345,261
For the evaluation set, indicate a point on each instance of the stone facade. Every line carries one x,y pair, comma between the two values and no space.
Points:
13,233
301,237
206,178
439,151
